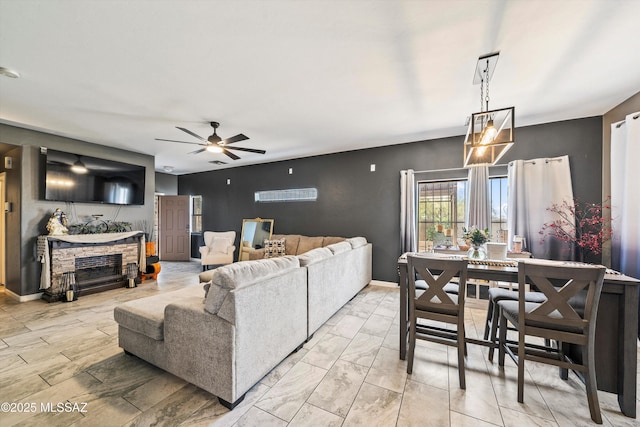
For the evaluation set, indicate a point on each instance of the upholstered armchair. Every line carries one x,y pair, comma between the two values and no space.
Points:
218,248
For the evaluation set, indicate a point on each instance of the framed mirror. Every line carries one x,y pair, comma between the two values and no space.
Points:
254,232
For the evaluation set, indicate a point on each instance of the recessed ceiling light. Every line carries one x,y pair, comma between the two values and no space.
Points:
168,168
7,72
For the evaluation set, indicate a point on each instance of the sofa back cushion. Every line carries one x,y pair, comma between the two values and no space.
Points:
338,248
313,256
330,240
241,274
357,242
307,243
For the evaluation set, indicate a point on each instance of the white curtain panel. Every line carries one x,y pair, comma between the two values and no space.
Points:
625,195
534,185
408,238
478,189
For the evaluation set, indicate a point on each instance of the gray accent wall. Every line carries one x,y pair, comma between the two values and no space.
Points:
30,213
352,201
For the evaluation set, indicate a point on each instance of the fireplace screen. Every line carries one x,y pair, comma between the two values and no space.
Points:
95,270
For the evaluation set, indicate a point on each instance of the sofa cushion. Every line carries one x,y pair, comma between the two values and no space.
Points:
215,298
356,242
307,243
330,240
274,248
146,315
241,274
314,255
338,248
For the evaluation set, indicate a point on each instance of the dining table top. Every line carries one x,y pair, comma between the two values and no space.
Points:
507,270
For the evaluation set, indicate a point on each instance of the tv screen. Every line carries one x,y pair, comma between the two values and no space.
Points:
73,178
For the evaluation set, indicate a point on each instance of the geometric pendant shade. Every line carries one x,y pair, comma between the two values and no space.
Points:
490,134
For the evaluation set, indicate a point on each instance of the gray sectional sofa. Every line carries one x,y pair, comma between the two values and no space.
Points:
251,315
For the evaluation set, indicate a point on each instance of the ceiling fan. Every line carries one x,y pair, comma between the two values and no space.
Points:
215,144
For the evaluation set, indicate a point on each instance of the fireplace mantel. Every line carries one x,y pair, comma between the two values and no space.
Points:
94,238
60,255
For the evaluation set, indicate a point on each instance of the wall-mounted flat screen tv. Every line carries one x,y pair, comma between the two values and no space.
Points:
77,178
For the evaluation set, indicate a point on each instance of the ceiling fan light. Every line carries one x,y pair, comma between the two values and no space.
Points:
214,149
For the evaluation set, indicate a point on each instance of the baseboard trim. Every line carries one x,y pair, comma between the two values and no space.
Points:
23,298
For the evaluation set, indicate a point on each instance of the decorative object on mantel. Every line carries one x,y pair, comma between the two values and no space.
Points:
581,224
490,133
98,225
57,225
476,238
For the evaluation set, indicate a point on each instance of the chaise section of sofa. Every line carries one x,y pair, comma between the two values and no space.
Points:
335,274
253,316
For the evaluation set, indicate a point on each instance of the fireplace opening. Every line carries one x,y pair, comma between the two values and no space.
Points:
97,271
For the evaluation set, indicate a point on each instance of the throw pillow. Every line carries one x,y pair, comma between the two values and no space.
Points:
220,245
274,248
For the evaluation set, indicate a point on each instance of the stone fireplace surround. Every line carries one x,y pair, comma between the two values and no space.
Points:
98,260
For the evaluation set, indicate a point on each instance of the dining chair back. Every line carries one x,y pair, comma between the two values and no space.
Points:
435,304
567,316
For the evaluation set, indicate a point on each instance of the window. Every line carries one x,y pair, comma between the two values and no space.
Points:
498,203
442,206
196,214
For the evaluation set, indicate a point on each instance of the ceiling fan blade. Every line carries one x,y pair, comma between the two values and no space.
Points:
217,162
230,154
198,151
181,142
191,133
237,138
250,150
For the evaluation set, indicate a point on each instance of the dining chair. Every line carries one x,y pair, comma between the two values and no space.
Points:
568,316
493,319
437,305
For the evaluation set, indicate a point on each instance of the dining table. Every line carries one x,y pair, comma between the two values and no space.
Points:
616,324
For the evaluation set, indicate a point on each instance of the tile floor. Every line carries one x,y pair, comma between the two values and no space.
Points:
349,374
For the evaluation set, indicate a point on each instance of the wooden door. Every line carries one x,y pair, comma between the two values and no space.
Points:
174,228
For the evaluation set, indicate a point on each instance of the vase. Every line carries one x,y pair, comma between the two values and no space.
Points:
477,252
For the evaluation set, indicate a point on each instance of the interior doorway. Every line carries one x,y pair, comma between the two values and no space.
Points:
3,231
174,231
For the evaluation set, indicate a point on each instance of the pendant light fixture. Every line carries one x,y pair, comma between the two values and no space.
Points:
491,132
79,167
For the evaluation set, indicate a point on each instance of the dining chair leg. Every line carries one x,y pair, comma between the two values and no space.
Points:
588,357
462,352
412,342
494,328
562,350
521,356
489,320
502,341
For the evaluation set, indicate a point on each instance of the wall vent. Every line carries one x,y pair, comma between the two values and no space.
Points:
289,195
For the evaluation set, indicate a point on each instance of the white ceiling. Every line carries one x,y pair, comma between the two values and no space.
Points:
307,77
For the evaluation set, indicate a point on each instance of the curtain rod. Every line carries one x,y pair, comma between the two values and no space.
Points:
556,159
454,169
621,122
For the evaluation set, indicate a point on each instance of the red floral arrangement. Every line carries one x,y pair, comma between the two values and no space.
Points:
581,224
